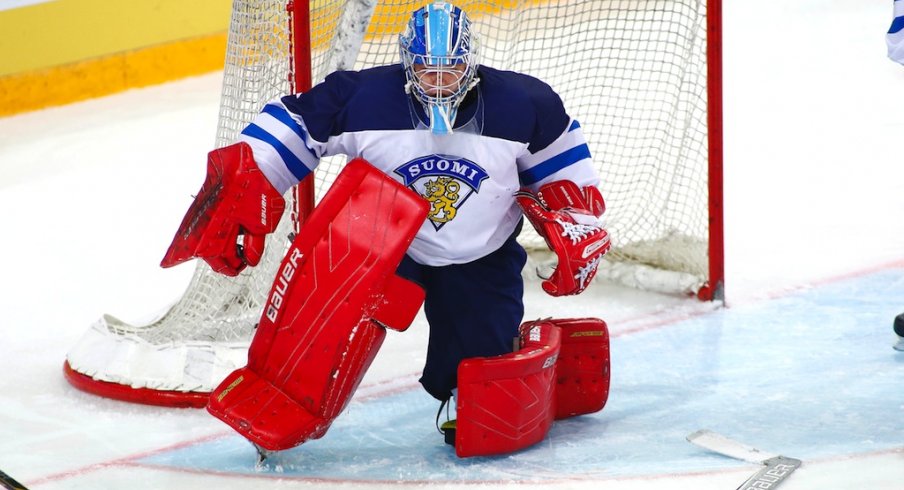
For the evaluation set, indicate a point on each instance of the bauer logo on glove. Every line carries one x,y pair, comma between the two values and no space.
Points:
560,212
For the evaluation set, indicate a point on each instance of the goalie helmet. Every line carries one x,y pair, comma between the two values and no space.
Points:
438,52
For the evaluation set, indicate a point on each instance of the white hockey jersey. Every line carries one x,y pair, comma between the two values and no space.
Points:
511,131
895,36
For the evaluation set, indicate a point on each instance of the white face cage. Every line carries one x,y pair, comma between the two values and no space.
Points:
439,55
444,81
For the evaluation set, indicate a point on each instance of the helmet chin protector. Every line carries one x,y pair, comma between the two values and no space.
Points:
438,52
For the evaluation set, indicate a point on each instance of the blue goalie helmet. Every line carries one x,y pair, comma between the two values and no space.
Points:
439,54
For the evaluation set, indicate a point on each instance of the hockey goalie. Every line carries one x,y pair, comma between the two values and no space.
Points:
452,156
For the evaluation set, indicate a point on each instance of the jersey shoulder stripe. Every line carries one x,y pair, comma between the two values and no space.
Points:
554,164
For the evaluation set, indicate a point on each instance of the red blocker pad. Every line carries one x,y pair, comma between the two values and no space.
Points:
235,201
323,321
506,403
582,384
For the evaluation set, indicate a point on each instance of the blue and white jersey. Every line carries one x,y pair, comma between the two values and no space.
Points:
511,132
895,36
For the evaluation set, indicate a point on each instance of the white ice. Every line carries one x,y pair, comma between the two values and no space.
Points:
91,193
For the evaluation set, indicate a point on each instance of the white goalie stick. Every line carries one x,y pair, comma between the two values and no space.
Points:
776,468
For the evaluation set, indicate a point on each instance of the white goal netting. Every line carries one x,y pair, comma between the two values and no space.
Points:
633,72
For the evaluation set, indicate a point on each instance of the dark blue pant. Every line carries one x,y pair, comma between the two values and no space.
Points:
473,310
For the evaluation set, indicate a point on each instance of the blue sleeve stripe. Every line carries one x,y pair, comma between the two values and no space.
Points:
284,117
542,170
293,163
574,125
896,25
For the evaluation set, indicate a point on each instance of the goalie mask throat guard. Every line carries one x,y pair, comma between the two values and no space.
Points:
438,53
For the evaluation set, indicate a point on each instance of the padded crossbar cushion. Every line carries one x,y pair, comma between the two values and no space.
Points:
506,403
316,336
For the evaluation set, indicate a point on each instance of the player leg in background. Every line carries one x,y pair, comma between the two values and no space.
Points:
899,331
473,310
895,37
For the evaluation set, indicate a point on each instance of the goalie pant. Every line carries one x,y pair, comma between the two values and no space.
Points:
473,310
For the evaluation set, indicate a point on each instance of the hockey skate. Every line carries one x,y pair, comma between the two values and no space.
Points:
262,454
447,428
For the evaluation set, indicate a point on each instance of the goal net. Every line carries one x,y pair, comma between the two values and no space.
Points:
641,76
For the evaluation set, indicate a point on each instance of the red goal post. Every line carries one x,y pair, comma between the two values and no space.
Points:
642,76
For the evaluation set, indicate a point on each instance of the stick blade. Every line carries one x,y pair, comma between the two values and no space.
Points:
718,443
772,475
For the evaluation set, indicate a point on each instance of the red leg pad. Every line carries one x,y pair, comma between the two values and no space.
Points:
507,403
402,299
316,336
261,412
583,367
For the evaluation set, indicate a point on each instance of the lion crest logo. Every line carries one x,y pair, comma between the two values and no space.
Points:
442,194
445,181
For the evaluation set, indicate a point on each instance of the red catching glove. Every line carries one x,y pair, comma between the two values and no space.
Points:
566,217
565,194
235,200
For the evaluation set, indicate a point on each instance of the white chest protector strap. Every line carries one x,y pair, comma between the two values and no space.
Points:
324,319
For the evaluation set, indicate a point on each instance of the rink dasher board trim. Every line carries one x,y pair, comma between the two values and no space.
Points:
776,468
